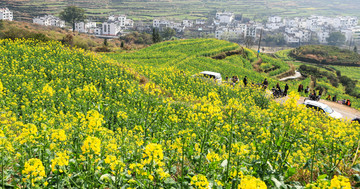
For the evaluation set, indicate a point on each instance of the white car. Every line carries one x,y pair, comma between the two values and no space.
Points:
322,108
211,75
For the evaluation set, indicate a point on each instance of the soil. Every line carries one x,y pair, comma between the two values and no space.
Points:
348,113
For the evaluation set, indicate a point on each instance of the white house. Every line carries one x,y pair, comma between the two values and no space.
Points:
45,20
323,35
274,19
114,25
356,34
111,28
274,26
303,35
187,23
98,31
49,20
161,23
250,31
291,38
129,23
348,33
200,22
85,27
225,17
6,14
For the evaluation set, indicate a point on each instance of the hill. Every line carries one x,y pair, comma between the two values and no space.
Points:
339,80
190,9
329,55
72,118
16,29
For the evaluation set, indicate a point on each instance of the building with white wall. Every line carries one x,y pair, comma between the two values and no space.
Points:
111,28
274,19
6,14
49,20
114,25
356,34
187,23
85,27
225,17
291,38
322,36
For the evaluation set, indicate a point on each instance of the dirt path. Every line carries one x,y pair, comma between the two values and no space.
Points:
347,112
295,76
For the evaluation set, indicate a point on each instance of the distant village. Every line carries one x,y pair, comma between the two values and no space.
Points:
224,25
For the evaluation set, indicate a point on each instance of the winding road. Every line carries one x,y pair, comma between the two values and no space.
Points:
348,113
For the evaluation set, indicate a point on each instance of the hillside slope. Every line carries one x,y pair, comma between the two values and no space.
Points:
188,9
327,55
77,119
16,29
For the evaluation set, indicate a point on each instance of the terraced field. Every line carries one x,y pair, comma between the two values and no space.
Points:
190,9
76,119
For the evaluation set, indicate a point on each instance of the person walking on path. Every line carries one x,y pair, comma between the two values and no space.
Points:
328,97
307,90
265,83
278,87
286,89
348,103
245,81
301,88
334,98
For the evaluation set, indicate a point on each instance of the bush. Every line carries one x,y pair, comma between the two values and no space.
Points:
102,49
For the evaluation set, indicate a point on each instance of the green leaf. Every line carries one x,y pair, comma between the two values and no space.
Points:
321,177
290,172
357,185
356,167
224,163
279,141
278,184
169,181
356,177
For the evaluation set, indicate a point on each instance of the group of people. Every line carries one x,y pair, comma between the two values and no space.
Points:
313,95
278,92
343,101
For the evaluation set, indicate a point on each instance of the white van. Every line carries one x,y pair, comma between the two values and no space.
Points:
212,75
322,108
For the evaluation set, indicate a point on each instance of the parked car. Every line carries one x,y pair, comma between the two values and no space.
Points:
356,120
318,106
210,75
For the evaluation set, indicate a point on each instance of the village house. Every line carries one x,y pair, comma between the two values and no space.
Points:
322,36
6,14
224,17
200,22
301,29
49,20
291,38
188,23
114,25
85,27
356,34
177,26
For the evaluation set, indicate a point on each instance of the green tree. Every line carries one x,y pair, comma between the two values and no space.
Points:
168,33
336,38
249,41
73,14
275,39
355,49
156,36
1,24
